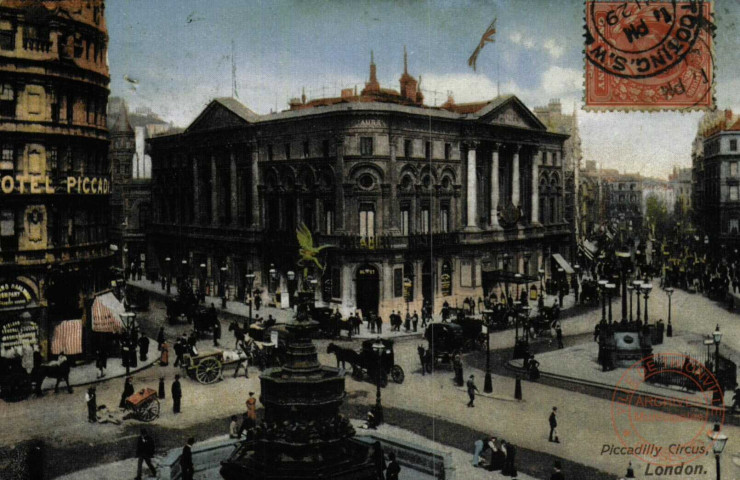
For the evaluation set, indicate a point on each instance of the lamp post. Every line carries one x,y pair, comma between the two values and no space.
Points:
630,288
669,292
506,257
645,288
202,286
719,440
602,290
610,289
291,278
637,284
487,383
716,338
526,256
623,256
378,348
541,298
273,276
249,282
168,261
222,286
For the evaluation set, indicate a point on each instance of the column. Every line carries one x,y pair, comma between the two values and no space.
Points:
339,185
393,209
472,206
494,186
535,187
255,199
214,192
196,192
515,177
234,191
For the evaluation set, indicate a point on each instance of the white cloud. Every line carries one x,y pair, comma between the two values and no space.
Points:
516,37
554,48
561,81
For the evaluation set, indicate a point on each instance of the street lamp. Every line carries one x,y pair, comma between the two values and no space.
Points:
506,257
630,288
487,383
719,440
645,288
291,287
169,273
249,280
222,284
610,289
202,289
638,285
273,276
526,256
716,338
669,292
378,348
602,289
541,299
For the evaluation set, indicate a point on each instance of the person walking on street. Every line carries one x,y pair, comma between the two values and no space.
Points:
128,390
143,348
251,411
554,425
125,356
472,389
422,353
559,334
92,405
160,337
144,453
101,362
179,352
458,368
557,474
164,356
393,469
415,320
216,332
176,394
407,322
378,324
480,446
186,460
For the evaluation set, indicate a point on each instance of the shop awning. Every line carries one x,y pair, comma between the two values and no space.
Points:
67,338
589,249
563,263
106,311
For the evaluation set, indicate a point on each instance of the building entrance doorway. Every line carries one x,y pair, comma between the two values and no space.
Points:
368,289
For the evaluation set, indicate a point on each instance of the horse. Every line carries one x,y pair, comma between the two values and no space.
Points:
58,371
344,355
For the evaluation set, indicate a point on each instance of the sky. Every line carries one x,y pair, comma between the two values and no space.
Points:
180,52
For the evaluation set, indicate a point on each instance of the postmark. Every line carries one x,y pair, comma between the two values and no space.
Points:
665,431
644,55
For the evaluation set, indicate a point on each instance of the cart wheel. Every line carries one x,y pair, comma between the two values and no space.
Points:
357,373
208,370
397,374
148,411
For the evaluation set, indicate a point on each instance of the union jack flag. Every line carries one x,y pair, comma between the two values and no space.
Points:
486,38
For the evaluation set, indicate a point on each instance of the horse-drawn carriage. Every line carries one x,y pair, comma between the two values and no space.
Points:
366,362
137,299
208,368
498,317
474,332
589,292
444,341
17,383
331,324
144,405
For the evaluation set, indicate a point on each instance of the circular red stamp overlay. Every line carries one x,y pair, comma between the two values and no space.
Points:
671,429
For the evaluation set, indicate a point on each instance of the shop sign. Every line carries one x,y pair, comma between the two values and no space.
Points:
14,294
445,280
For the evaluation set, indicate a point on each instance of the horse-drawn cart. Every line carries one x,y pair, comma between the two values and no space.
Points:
144,404
208,368
366,362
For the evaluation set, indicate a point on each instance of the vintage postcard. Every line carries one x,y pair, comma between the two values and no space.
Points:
369,239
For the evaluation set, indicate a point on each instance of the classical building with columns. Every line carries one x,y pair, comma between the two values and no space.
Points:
419,203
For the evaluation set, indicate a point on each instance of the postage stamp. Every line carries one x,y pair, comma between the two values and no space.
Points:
666,431
644,55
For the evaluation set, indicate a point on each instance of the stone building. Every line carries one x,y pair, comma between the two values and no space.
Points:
681,184
419,203
591,199
55,188
624,198
716,178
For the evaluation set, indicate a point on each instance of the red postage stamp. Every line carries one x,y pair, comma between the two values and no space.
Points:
666,431
644,55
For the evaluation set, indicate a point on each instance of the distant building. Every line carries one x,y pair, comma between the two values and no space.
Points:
625,198
591,200
680,181
662,190
715,160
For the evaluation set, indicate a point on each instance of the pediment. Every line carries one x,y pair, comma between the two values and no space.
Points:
512,113
216,117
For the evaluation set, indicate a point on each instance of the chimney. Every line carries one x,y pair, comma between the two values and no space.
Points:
347,93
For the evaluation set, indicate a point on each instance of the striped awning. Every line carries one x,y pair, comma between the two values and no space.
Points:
106,311
67,338
563,263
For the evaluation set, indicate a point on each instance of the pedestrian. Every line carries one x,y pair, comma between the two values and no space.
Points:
509,469
251,411
393,469
458,367
422,353
176,394
559,334
472,389
186,460
480,446
257,300
125,357
143,348
101,362
370,322
128,390
378,324
234,428
179,352
554,425
597,331
144,453
630,471
557,474
164,357
216,332
160,336
407,322
161,390
415,320
92,405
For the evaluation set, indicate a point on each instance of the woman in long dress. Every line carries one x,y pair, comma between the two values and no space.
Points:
509,469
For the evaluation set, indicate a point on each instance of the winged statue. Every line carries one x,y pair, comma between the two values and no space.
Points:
309,253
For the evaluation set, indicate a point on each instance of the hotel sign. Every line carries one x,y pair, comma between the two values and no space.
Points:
44,185
14,295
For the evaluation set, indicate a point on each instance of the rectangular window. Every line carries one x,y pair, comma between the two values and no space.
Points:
424,220
733,145
428,150
407,148
329,222
397,282
367,221
7,223
336,283
325,148
405,221
287,151
70,108
444,219
734,226
366,146
733,169
305,149
6,162
7,35
733,193
51,159
448,151
7,100
269,153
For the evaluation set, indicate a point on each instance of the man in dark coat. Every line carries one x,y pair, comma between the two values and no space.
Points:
186,460
216,332
378,324
393,469
128,390
144,453
257,300
160,336
179,351
143,348
176,394
509,469
422,353
92,405
415,320
472,389
554,425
